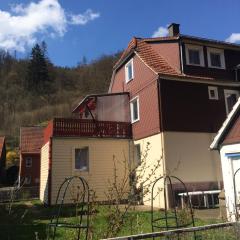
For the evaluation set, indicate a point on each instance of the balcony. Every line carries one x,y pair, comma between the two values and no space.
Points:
67,127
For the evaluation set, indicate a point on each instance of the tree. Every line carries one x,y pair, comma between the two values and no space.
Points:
38,80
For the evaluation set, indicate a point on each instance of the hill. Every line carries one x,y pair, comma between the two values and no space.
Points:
22,103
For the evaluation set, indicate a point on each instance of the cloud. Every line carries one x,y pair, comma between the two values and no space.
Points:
233,38
161,32
23,24
82,19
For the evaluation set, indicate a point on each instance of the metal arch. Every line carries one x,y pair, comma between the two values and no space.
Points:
84,202
235,194
155,221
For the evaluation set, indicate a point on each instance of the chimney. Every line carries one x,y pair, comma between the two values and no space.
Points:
173,30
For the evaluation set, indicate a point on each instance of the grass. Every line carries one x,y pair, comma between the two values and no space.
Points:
29,220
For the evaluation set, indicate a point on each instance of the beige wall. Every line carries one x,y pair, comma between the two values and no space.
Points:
189,158
101,164
44,173
154,154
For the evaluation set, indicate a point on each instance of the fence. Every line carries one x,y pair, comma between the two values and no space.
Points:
220,231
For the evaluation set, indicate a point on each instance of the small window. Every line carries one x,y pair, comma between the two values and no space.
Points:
213,93
81,158
194,55
137,154
216,58
129,71
231,97
134,106
29,162
28,180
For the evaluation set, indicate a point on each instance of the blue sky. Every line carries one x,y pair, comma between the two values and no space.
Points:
76,28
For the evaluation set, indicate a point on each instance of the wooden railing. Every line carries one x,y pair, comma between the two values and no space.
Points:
67,127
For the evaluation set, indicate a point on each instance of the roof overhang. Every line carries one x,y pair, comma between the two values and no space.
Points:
89,101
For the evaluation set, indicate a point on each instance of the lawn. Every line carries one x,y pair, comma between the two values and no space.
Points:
29,219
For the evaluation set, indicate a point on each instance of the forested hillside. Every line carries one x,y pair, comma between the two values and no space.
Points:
33,90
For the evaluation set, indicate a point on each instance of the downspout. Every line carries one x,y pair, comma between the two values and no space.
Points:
181,54
162,155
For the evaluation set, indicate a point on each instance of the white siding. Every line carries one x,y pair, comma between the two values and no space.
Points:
44,167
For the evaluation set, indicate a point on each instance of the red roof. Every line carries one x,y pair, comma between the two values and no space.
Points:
31,139
2,141
142,47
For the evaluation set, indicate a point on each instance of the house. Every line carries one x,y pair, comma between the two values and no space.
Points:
2,158
227,142
31,140
93,144
181,90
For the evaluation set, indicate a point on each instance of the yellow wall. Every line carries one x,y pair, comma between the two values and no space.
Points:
44,173
189,158
101,164
154,154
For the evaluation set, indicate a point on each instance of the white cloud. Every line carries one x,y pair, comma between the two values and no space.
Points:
21,27
161,32
82,19
233,38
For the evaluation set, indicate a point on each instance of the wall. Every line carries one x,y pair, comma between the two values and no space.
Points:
188,157
101,163
232,59
186,107
44,178
33,171
228,178
154,154
144,85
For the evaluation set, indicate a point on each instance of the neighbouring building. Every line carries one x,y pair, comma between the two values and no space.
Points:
181,90
92,144
2,159
227,142
31,141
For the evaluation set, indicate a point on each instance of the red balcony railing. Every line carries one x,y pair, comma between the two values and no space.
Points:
66,127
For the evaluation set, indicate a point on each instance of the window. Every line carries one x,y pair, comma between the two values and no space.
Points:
29,162
134,107
213,93
216,58
137,154
194,55
129,71
81,158
231,97
28,180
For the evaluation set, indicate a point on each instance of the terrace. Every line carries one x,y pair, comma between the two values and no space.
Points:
96,116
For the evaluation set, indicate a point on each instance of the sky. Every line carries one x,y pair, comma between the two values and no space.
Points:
74,29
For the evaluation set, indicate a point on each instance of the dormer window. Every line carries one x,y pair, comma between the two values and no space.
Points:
216,58
129,71
194,55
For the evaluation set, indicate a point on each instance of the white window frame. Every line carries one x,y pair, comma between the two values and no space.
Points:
28,159
131,109
222,57
229,91
199,49
215,89
127,78
74,160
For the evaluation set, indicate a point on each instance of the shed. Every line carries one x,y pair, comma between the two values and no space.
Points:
227,141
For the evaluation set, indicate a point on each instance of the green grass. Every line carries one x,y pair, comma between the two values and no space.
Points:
30,218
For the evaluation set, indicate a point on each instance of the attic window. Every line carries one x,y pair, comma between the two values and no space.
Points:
216,58
194,55
129,71
213,93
